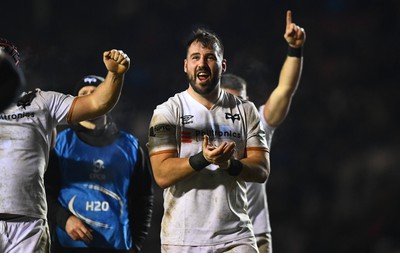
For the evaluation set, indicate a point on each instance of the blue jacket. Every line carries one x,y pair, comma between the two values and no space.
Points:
98,183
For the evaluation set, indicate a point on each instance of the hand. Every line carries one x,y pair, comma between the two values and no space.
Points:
116,61
77,230
295,36
218,155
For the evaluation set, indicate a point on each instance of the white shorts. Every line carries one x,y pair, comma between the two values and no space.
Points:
264,242
246,245
24,235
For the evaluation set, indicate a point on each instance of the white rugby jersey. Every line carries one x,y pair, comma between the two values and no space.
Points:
209,207
257,193
25,137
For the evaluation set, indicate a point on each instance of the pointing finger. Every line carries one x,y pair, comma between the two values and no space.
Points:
288,19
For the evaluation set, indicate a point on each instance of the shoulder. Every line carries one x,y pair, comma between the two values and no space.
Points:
53,97
129,138
43,93
171,108
63,139
246,104
249,104
174,101
64,133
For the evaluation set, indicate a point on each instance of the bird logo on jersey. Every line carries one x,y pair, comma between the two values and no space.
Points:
232,117
26,100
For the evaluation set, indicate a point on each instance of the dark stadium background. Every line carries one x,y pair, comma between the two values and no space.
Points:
335,180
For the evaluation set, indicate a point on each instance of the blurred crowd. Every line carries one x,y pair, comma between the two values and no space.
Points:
334,184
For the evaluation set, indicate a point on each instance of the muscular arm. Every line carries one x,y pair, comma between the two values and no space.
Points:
107,94
256,167
278,104
168,169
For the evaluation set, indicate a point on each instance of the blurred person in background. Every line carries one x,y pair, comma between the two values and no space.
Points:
272,114
98,185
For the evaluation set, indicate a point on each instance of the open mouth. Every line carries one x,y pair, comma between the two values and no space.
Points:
202,76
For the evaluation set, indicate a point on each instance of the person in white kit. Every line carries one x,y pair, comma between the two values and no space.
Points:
25,140
272,113
204,144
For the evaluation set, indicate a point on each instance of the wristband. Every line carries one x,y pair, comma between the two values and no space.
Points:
235,167
198,162
295,51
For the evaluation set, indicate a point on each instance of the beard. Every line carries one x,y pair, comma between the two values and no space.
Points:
204,88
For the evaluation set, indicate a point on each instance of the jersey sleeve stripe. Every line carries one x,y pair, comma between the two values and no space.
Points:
162,152
258,149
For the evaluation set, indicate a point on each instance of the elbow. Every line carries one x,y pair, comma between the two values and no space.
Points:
162,182
264,175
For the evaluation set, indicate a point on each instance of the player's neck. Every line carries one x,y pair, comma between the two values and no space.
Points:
208,100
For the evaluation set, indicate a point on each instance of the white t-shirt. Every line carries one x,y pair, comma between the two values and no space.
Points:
25,137
209,207
257,194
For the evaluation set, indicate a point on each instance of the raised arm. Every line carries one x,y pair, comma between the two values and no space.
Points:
278,104
107,94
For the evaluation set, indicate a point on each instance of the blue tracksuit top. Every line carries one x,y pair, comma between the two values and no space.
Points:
95,181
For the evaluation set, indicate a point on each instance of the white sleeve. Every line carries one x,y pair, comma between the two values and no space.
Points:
255,135
162,130
269,130
58,105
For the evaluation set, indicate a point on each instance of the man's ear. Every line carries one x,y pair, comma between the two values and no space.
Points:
223,65
185,65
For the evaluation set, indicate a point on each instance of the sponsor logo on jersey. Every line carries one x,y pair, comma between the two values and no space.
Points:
15,116
161,129
93,206
189,135
186,119
217,133
97,172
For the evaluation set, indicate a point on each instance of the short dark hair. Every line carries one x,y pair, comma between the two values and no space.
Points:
9,48
233,82
206,37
